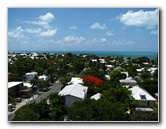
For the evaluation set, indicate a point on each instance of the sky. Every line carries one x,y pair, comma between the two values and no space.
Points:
83,29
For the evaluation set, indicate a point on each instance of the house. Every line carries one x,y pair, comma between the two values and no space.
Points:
20,89
152,70
109,66
30,76
107,77
26,90
73,92
140,70
156,96
102,61
120,68
127,74
43,77
96,96
145,101
108,70
75,80
14,87
128,81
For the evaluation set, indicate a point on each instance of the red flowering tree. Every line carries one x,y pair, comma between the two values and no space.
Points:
51,62
92,81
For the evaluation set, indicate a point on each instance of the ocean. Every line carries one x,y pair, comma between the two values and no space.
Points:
125,54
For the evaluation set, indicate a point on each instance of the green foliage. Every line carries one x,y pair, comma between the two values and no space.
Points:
100,110
41,111
11,100
121,95
25,113
115,75
150,85
145,75
143,59
144,116
132,70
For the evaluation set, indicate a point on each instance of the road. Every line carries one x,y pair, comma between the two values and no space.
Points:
55,88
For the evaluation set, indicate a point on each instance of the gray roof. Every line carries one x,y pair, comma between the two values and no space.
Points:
76,90
137,92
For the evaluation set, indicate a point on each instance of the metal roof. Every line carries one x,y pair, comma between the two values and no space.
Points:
76,90
12,84
137,92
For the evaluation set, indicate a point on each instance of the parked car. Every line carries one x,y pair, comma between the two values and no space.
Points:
18,100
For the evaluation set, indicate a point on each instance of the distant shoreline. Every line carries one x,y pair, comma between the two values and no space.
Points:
125,54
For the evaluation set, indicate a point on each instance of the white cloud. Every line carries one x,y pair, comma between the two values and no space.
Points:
72,38
96,42
103,40
16,33
48,33
98,26
35,30
48,17
72,27
109,33
43,21
123,42
155,32
140,18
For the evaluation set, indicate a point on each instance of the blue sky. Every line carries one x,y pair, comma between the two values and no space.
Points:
83,29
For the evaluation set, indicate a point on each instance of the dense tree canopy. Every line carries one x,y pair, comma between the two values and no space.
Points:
100,110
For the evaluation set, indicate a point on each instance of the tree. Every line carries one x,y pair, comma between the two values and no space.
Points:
115,75
42,111
90,80
97,110
144,116
120,94
25,113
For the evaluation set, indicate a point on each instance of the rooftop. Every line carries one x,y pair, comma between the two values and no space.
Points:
76,90
137,92
12,84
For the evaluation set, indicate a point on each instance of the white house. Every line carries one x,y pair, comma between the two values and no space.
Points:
74,92
75,80
128,81
102,61
96,96
30,76
127,74
143,98
43,77
140,70
152,70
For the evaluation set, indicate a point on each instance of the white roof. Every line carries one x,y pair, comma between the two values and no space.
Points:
76,90
32,73
127,81
43,77
144,109
140,70
75,80
96,96
28,84
94,60
102,61
12,84
137,92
